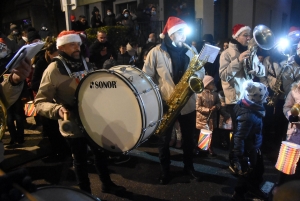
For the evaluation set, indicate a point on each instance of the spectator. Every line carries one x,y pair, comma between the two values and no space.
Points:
73,22
24,39
81,24
101,50
44,32
84,46
154,20
110,18
96,18
123,56
207,105
14,33
247,158
126,19
151,42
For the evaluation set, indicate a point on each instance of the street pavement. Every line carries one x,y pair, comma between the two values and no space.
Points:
139,175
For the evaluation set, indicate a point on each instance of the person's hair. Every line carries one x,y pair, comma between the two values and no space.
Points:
123,44
133,43
50,45
82,17
103,32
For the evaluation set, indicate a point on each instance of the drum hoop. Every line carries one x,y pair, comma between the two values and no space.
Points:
141,104
69,188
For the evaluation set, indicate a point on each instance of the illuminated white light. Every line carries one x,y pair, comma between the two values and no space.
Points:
283,43
187,30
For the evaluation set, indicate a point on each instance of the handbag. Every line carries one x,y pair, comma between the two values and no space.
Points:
29,109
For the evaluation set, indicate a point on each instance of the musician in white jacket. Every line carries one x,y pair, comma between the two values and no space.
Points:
232,71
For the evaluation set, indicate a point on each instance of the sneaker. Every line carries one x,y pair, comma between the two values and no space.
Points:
121,159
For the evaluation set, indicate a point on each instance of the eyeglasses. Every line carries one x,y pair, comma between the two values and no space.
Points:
246,35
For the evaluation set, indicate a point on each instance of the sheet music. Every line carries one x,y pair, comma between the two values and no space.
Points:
28,51
211,51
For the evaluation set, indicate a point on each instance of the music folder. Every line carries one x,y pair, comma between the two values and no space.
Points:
28,51
209,50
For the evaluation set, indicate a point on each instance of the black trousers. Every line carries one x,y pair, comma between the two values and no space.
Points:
79,150
16,112
188,125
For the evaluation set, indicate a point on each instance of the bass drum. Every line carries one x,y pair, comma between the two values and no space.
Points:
119,108
61,193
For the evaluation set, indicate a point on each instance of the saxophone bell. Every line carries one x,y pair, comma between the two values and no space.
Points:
196,84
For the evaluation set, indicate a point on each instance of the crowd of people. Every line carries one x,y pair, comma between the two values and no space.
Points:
234,99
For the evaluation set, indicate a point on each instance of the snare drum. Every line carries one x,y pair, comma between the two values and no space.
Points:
119,108
61,193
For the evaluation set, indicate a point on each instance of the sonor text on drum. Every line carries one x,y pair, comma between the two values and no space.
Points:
103,84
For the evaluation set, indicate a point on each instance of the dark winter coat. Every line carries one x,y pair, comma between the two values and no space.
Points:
248,134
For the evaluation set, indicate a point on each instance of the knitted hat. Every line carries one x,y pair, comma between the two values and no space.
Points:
72,17
238,29
67,37
255,92
2,43
293,31
173,24
95,9
207,79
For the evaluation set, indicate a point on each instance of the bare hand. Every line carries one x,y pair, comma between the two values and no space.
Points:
244,55
21,72
62,111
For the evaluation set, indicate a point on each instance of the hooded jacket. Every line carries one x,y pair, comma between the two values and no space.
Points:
248,134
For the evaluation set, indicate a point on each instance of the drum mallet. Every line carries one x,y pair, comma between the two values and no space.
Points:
66,124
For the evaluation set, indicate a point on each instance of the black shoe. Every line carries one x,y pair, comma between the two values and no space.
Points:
21,141
211,153
192,173
112,188
12,142
164,178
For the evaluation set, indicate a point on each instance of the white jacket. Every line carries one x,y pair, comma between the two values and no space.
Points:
232,74
158,66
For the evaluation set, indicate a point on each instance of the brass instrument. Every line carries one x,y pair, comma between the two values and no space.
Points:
186,87
264,38
295,110
271,100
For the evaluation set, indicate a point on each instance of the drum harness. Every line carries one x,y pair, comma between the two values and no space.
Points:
79,74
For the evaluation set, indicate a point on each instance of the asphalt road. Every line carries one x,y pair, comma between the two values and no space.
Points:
139,175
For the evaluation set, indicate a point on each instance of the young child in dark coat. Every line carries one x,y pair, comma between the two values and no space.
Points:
247,160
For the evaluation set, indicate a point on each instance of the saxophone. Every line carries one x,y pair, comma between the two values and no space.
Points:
186,87
271,101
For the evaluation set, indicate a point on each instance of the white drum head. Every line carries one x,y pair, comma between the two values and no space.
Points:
109,111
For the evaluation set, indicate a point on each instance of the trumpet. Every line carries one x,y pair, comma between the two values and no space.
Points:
264,38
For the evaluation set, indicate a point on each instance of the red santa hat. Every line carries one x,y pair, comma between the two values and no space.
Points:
238,29
67,37
173,24
293,31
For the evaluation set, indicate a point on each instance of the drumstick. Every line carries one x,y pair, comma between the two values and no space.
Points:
17,186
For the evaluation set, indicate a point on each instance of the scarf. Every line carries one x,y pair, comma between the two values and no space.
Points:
240,47
179,59
73,64
258,108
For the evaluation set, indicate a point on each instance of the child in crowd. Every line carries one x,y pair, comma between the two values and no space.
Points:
293,131
207,104
225,122
247,159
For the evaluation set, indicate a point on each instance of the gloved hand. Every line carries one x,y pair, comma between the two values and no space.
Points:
8,192
293,118
237,168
